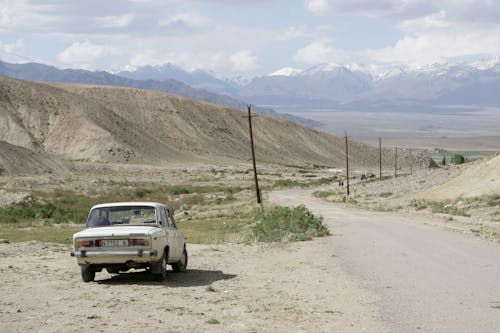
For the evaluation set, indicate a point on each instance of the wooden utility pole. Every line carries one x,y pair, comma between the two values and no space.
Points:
411,163
379,158
347,163
396,162
257,190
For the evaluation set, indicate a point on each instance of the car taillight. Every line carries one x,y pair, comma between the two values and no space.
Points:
85,243
139,242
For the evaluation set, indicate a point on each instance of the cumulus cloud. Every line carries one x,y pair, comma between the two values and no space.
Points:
84,52
318,52
317,6
431,48
243,61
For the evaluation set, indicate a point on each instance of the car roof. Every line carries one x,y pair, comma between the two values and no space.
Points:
123,204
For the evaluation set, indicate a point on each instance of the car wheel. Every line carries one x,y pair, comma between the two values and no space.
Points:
181,265
88,274
159,269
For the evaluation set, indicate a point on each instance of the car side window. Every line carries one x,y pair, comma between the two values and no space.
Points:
163,217
170,218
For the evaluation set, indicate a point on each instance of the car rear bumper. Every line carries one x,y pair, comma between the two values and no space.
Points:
86,257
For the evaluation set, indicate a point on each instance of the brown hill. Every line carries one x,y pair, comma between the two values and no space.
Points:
15,160
108,124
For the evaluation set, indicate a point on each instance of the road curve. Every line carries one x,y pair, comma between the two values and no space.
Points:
425,279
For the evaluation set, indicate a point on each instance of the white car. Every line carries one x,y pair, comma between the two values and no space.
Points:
124,235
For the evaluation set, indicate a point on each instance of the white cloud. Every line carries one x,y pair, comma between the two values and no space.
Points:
293,33
243,61
115,21
185,60
84,52
437,47
17,46
190,20
319,52
317,7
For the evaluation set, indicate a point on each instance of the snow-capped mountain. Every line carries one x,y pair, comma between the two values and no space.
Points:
371,87
379,87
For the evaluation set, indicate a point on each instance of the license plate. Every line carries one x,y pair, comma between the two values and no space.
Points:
114,242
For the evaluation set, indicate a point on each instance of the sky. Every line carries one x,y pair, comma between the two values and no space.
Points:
246,37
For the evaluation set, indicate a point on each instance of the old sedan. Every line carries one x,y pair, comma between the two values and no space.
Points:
124,235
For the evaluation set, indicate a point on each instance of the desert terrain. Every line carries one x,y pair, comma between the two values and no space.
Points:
416,252
343,282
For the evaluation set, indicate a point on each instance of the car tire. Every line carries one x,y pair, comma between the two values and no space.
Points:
159,269
88,274
181,265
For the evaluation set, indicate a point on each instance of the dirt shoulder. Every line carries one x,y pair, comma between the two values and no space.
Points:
256,288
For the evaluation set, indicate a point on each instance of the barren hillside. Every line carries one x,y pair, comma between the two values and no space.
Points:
480,179
109,124
18,160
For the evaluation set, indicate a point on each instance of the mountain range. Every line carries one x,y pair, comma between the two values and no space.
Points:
354,87
463,87
41,72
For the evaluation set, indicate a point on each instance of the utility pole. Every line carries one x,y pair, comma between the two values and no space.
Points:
396,162
411,163
379,158
347,163
257,190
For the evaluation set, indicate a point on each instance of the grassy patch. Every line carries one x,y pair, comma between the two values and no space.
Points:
290,183
323,194
281,224
229,227
67,206
439,207
53,234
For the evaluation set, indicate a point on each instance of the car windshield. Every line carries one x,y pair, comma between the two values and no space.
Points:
121,215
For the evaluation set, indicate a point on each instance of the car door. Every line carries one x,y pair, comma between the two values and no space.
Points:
173,245
180,240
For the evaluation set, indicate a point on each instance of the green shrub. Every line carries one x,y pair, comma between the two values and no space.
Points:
438,207
281,224
457,159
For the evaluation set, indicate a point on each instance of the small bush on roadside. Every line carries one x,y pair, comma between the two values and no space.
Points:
438,207
457,159
419,204
281,224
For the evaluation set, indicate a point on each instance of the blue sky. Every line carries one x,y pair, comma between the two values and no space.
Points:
246,37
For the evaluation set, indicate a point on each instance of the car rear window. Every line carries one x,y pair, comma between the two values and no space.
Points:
122,215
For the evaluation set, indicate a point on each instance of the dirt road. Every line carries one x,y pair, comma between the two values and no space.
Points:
423,278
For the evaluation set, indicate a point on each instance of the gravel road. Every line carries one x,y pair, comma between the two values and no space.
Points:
425,279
